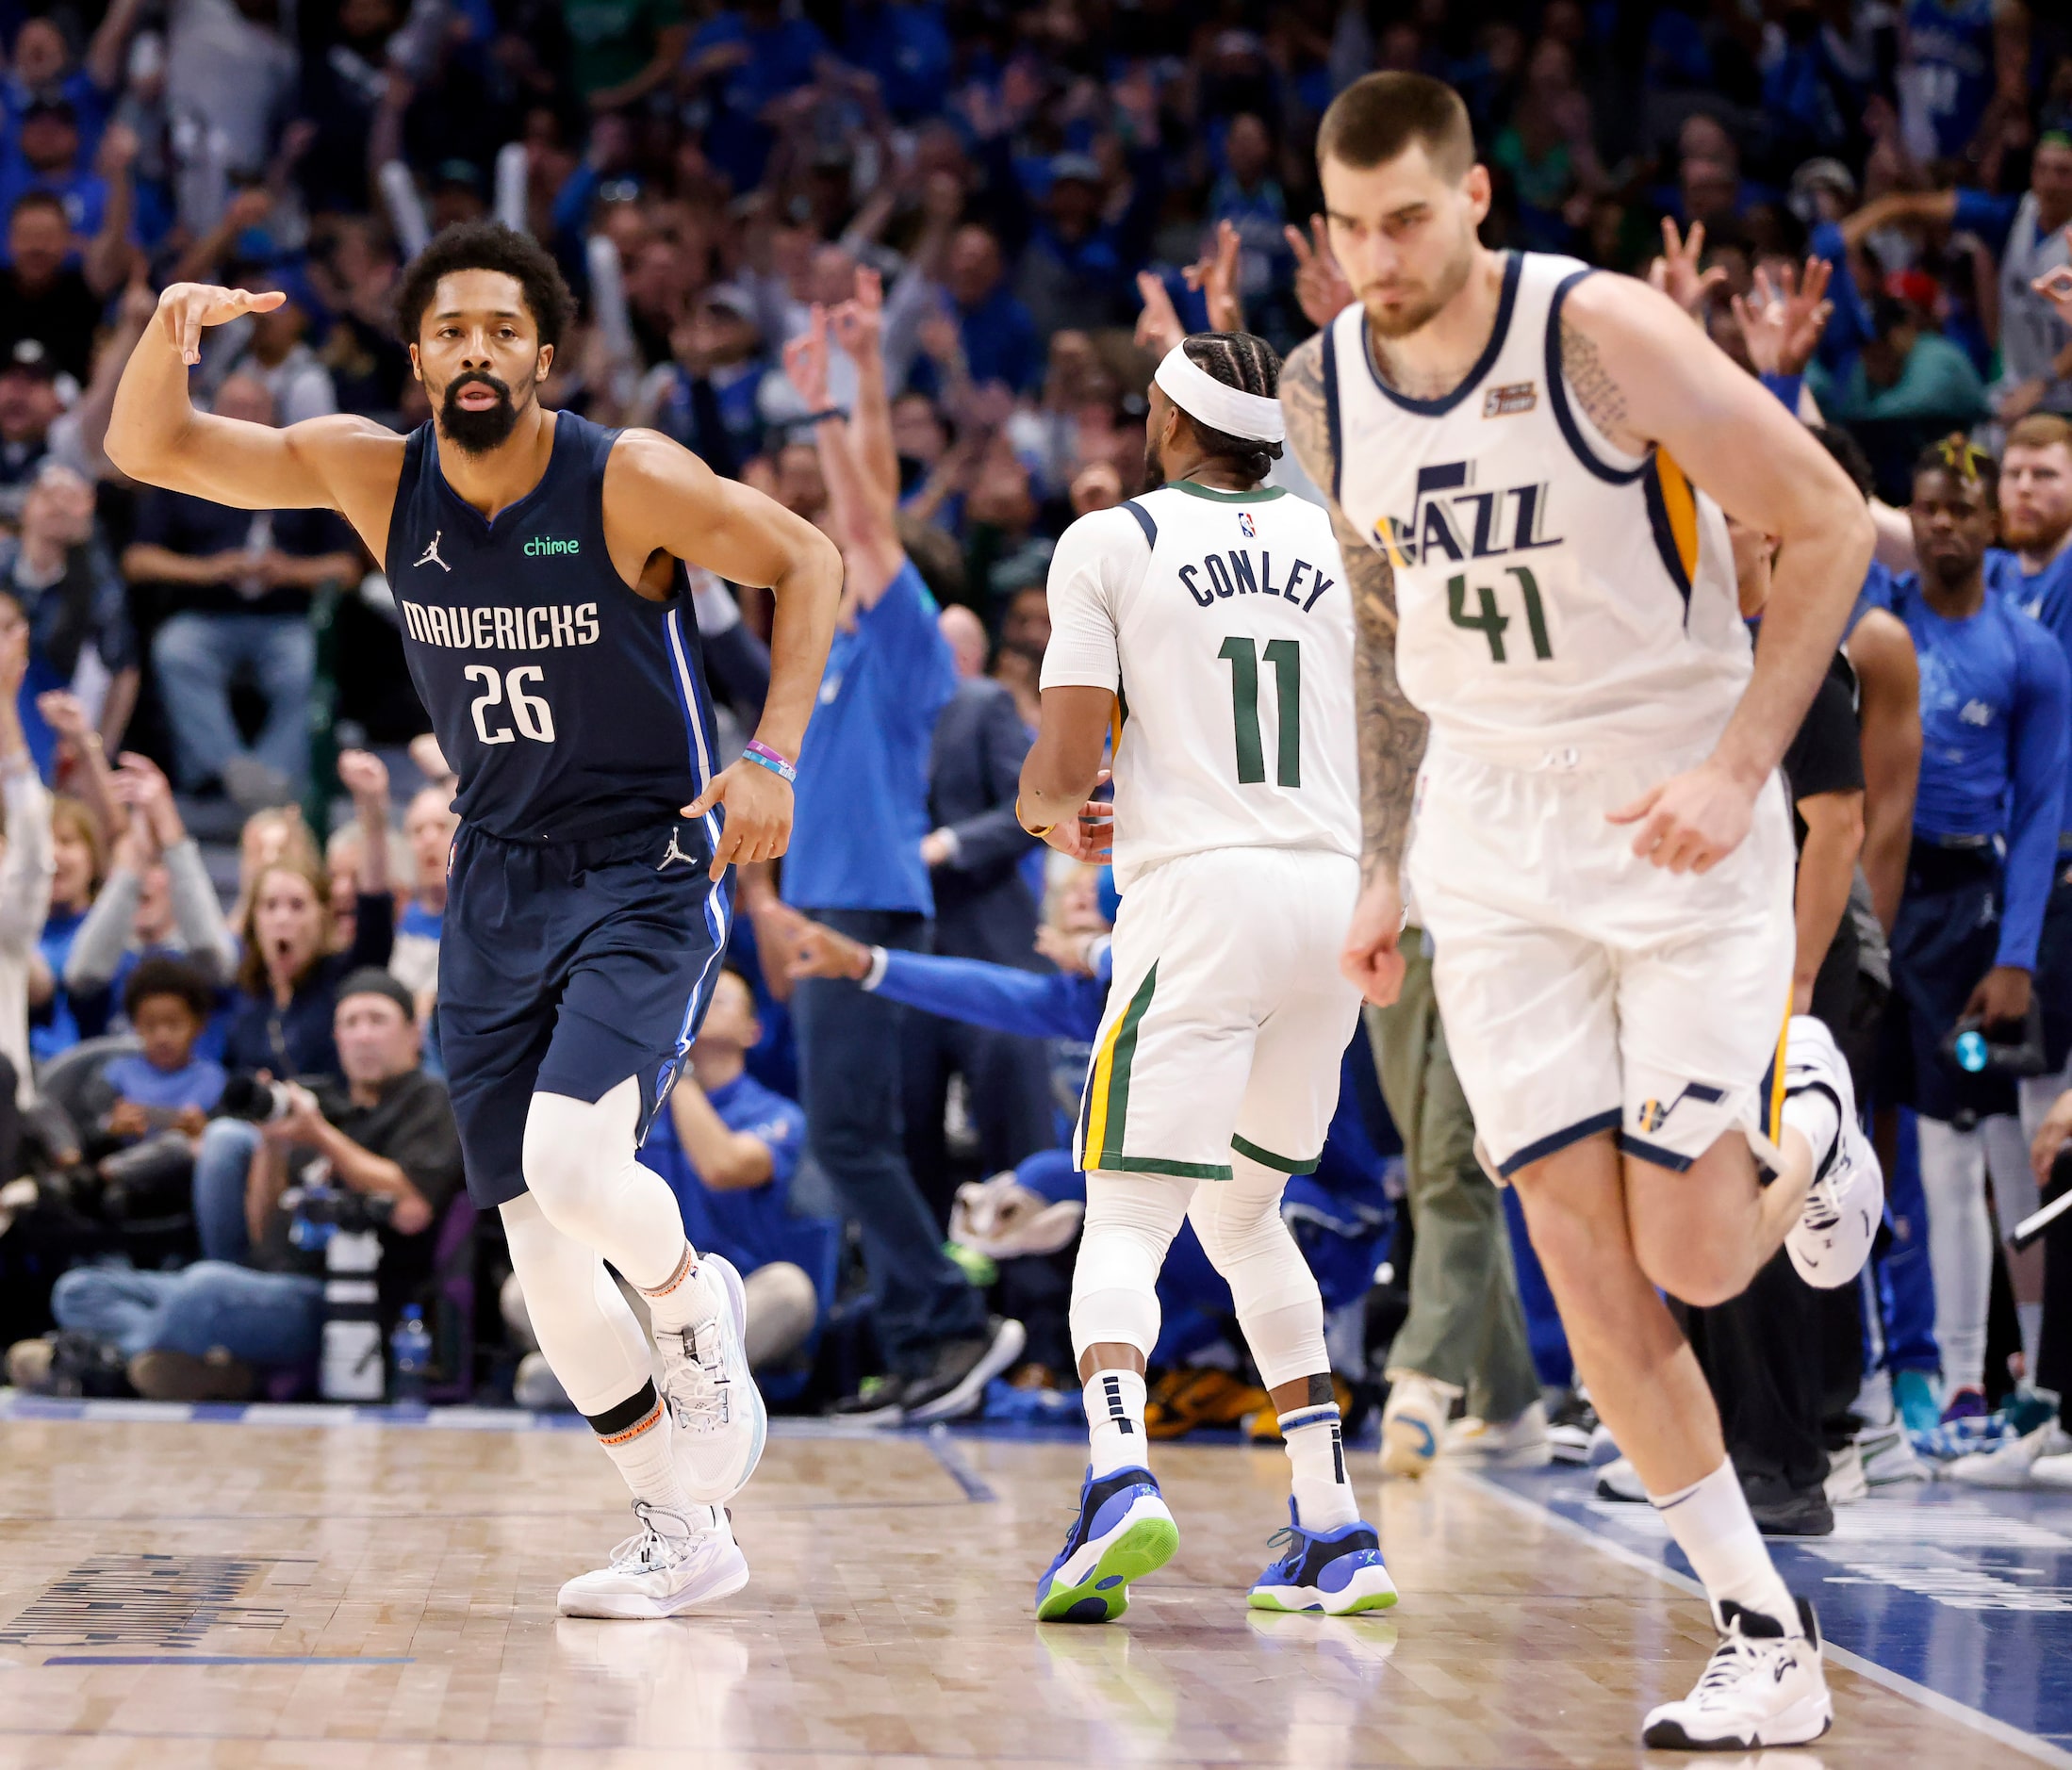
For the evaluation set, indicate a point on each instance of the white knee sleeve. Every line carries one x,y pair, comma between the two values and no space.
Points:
580,1164
1130,1222
1960,1247
576,1314
1278,1303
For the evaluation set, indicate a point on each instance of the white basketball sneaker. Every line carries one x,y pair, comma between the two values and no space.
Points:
718,1411
669,1566
1413,1422
1832,1238
1761,1687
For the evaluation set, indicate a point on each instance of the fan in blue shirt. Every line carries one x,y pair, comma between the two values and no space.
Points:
2035,572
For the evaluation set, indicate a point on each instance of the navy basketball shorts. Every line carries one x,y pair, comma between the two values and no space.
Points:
565,968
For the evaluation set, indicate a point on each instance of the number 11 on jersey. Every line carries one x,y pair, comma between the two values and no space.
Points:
1284,655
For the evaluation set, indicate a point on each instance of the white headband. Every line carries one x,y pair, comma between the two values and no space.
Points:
1255,416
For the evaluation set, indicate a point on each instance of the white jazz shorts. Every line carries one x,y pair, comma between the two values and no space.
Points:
1227,1017
1585,989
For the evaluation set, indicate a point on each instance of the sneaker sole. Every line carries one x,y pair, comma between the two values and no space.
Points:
632,1607
1798,1725
737,1301
1370,1590
1409,1447
965,1398
1139,1548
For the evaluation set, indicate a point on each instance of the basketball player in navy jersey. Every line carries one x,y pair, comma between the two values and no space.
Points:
538,567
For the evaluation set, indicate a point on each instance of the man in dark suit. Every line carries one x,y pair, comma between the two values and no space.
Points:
984,908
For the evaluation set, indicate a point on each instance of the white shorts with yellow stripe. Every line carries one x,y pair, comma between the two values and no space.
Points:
1585,989
1226,1017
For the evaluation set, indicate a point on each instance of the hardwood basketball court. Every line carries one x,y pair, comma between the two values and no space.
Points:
250,1588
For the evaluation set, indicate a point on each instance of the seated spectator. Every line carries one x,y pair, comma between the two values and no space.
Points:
727,1147
429,827
254,1302
238,581
1905,371
29,408
158,900
168,1086
45,295
57,1019
278,832
287,978
274,349
80,638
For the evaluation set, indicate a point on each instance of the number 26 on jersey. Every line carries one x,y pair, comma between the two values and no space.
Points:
505,711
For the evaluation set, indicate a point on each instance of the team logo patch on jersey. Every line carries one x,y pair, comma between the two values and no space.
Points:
1246,526
1653,1115
1510,399
430,554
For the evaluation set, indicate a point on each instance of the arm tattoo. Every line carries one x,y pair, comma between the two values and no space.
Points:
1591,383
1391,731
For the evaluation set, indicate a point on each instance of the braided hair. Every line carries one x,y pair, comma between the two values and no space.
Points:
1963,460
1246,362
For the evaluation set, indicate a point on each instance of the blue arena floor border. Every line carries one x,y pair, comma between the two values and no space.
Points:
1960,1596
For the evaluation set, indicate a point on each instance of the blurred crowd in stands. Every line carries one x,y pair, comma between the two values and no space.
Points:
906,265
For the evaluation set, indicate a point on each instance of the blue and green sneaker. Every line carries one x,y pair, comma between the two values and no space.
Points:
1123,1533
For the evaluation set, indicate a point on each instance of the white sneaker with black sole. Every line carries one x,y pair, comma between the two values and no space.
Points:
1761,1687
1846,1203
720,1423
673,1563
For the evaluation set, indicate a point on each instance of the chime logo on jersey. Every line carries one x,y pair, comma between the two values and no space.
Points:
1653,1114
1452,518
1246,526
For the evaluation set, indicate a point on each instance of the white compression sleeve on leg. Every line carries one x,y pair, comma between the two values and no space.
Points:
580,1164
1279,1307
1960,1247
596,1346
1130,1222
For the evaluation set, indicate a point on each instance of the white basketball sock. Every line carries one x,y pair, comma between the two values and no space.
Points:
1711,1523
1316,1448
636,1437
1114,1417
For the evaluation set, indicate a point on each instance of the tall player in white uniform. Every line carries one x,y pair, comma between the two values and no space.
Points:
1207,626
1601,850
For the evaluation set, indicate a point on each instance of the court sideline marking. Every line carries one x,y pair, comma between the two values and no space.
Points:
1949,1707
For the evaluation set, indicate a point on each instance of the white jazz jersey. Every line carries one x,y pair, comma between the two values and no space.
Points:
1561,604
1222,624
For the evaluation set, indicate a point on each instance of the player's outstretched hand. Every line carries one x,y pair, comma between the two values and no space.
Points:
1692,822
1371,957
821,952
184,308
758,824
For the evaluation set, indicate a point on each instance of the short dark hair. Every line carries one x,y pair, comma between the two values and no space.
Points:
39,199
1963,460
162,974
1244,361
1848,455
373,980
1381,115
485,246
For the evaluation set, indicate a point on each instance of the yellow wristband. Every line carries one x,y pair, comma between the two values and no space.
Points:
1034,830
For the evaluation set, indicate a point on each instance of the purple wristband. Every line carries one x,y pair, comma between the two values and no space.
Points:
760,753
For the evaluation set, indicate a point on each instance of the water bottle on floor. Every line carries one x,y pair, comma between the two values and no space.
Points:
410,1356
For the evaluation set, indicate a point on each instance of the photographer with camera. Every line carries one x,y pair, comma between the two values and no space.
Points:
379,1150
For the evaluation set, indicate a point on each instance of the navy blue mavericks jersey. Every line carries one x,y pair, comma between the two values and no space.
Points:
569,705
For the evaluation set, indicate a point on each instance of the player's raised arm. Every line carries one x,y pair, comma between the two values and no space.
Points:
676,503
1391,731
1635,366
156,434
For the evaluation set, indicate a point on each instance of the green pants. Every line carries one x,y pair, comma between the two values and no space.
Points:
1465,1326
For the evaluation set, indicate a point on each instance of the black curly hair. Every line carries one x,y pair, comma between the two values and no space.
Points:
162,974
485,246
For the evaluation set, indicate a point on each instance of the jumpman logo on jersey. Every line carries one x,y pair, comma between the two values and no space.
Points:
431,556
675,853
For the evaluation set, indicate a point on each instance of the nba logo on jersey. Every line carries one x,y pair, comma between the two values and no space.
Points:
1246,526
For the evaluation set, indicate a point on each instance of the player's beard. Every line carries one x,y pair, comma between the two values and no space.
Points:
1400,321
477,433
1153,467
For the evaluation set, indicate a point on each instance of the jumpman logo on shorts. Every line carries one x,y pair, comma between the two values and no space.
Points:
430,555
675,853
